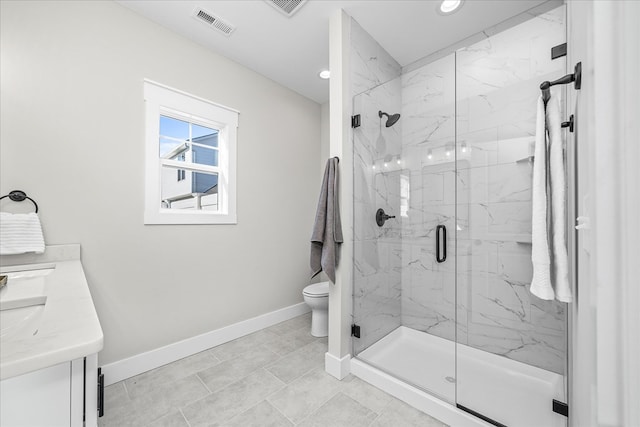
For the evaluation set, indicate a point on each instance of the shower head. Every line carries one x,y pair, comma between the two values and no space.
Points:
391,119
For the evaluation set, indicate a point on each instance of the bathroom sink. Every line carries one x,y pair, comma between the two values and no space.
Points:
20,272
22,321
23,300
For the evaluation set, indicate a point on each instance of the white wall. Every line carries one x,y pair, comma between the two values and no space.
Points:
324,155
605,380
324,136
339,145
72,119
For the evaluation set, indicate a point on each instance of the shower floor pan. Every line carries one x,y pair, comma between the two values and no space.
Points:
509,392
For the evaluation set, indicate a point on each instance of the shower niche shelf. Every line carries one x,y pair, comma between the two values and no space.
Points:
528,159
504,237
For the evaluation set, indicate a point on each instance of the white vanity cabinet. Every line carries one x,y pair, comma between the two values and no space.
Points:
62,395
49,341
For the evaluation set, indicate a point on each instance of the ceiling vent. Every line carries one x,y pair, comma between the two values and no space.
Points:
287,7
213,21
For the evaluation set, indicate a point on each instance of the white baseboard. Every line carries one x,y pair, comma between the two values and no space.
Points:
338,368
131,366
425,402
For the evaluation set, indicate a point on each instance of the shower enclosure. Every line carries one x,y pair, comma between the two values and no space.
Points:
441,287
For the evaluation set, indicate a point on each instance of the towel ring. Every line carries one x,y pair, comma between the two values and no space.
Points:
20,196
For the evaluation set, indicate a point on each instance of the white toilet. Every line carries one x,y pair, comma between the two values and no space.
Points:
317,297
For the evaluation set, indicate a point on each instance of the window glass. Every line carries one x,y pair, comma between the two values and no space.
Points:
192,190
204,156
174,128
204,135
174,134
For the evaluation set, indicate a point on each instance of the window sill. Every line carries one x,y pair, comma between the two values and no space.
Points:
167,217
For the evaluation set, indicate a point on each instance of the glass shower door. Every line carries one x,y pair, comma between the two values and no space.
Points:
377,249
510,344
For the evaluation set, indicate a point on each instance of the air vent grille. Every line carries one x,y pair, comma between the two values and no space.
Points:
206,17
288,7
213,21
223,26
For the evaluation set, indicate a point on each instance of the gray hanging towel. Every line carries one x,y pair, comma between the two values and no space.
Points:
327,229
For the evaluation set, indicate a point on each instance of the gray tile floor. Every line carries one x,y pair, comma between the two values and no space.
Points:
274,377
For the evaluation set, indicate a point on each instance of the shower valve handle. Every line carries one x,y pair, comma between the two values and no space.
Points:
382,217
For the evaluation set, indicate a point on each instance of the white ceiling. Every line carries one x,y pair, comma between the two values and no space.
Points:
291,51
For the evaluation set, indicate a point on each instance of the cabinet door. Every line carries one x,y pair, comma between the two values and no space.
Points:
40,398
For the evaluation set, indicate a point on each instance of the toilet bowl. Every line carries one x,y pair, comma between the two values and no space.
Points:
317,297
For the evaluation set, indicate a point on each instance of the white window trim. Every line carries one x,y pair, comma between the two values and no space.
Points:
161,99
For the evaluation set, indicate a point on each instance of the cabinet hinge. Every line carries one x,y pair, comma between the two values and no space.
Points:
560,408
100,393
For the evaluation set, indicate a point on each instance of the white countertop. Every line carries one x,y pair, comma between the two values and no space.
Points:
69,327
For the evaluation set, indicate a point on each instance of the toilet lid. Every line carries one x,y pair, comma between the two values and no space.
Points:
317,289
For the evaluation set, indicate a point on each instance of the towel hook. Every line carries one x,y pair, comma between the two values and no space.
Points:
576,78
19,196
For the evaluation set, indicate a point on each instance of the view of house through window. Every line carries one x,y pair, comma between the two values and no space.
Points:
195,145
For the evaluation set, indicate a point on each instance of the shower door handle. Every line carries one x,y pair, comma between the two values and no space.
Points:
441,229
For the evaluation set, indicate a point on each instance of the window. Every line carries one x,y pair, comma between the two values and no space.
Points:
190,159
181,172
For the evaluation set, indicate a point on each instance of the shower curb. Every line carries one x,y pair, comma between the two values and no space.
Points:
419,399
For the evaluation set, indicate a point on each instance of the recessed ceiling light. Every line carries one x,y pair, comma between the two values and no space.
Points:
447,7
324,74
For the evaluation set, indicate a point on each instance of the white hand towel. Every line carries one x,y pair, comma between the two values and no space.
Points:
559,256
20,233
541,282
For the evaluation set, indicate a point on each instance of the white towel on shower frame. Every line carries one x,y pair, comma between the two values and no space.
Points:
541,282
548,215
559,258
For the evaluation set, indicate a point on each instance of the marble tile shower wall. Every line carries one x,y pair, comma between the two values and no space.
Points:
371,65
376,271
487,94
